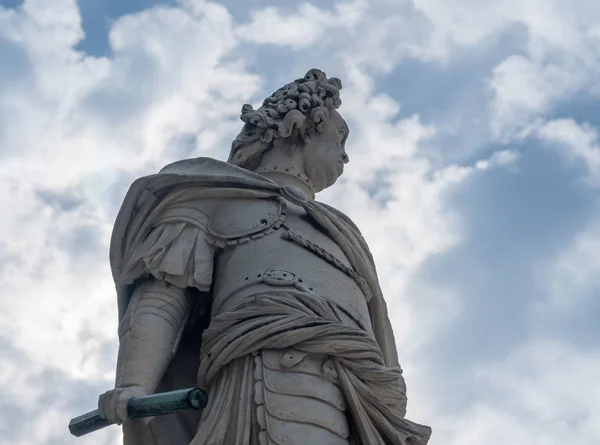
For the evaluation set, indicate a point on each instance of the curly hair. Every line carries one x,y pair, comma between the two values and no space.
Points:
295,111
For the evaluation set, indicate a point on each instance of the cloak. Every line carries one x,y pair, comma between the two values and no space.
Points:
203,177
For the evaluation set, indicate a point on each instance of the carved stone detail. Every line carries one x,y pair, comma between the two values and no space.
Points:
291,393
299,347
237,222
292,236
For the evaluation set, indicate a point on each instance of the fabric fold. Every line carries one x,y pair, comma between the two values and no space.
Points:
156,234
284,319
175,252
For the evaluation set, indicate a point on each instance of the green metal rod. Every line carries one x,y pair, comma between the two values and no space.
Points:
148,406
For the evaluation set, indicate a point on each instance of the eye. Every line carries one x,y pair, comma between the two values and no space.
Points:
343,133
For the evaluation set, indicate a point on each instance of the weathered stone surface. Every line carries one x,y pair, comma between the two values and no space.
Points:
231,277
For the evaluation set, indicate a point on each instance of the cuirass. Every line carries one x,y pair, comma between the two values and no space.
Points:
292,251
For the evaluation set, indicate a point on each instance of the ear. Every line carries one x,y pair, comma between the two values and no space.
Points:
307,131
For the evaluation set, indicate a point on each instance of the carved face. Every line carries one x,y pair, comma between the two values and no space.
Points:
325,154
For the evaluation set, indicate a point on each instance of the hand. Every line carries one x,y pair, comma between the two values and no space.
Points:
112,405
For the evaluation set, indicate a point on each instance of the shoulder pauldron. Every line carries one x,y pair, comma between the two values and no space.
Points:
235,221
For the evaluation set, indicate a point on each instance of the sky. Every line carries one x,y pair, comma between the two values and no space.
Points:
474,175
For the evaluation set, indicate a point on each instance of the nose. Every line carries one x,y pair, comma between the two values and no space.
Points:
345,158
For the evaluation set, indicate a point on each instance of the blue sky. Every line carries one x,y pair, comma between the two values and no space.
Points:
474,176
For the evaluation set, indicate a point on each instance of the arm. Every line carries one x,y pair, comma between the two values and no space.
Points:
148,337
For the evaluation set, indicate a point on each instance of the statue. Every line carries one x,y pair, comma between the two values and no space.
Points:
232,278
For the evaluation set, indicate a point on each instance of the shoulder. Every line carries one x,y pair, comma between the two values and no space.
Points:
165,237
342,216
241,218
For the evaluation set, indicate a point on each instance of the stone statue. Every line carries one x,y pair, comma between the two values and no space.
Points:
232,278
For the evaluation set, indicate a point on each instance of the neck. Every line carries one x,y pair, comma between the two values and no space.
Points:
290,177
286,170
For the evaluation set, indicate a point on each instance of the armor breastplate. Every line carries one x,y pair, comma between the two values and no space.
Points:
290,252
237,221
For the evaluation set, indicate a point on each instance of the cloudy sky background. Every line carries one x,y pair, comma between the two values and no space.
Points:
474,175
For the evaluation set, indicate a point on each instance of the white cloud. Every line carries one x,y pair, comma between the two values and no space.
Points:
542,393
77,129
549,24
81,119
414,224
571,278
555,58
525,89
576,142
559,59
302,28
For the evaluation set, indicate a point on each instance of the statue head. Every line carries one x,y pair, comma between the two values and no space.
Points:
301,117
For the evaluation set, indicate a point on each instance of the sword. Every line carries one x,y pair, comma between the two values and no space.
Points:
148,406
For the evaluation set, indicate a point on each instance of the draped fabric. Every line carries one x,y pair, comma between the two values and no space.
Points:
283,319
149,238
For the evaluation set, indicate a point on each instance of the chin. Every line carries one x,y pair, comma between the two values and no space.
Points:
331,180
326,177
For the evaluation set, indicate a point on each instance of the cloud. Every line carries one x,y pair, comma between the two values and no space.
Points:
464,239
525,89
571,278
558,60
540,382
398,196
576,142
83,127
79,129
304,27
532,395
